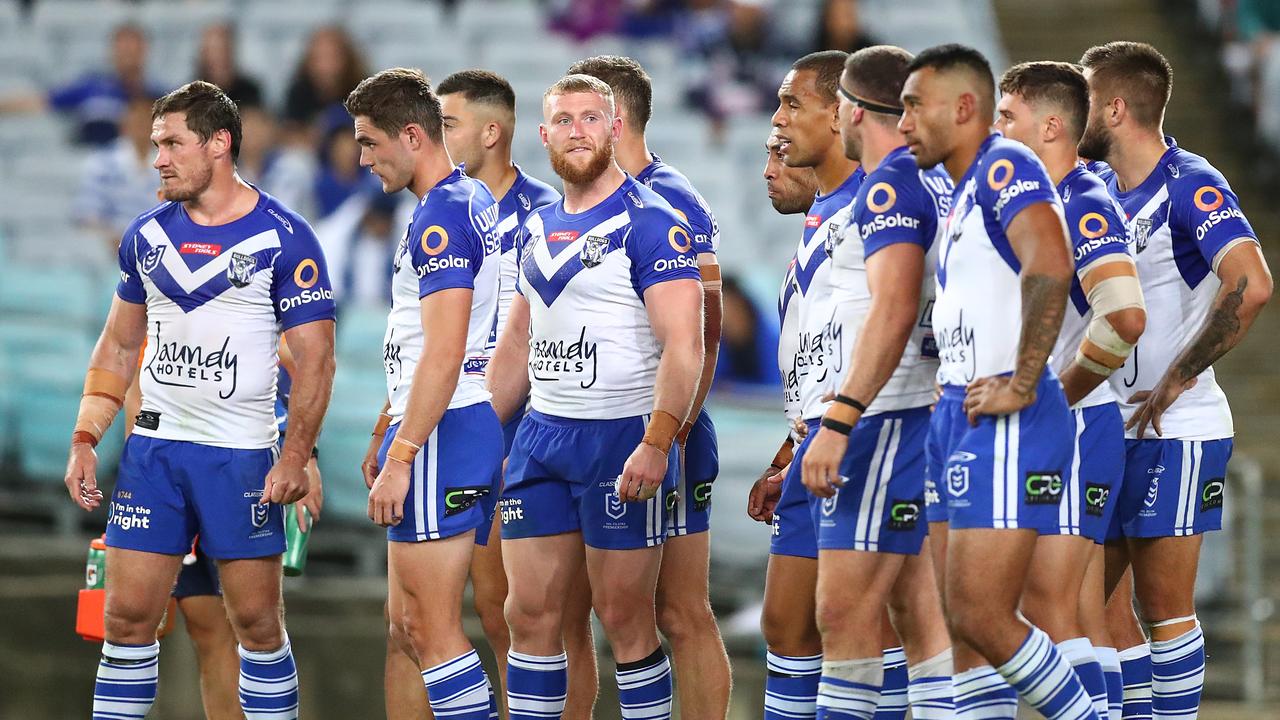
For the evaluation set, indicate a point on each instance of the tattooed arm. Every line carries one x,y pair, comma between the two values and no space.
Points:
1039,240
1246,288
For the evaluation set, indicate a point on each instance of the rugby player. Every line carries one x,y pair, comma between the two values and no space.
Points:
210,278
1002,423
607,321
1205,281
684,608
441,443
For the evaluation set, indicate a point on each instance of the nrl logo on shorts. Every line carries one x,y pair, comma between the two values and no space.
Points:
829,504
151,260
614,507
240,271
958,480
594,250
258,514
1141,233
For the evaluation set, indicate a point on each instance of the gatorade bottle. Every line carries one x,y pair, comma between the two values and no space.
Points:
295,537
95,570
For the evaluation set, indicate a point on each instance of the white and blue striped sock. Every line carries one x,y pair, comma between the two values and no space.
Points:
537,685
644,687
929,688
1135,666
458,689
127,680
893,690
1177,675
1046,681
791,687
850,689
1079,652
269,684
981,694
1109,659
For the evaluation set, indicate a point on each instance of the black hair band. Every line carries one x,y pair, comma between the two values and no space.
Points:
869,105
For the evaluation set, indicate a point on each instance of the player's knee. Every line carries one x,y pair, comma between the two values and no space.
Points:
786,631
128,624
531,617
622,613
682,617
259,630
970,622
493,620
398,641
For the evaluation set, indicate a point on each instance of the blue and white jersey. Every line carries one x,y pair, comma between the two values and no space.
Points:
812,298
217,299
592,352
524,196
977,316
452,242
1098,235
1182,220
789,343
676,189
897,203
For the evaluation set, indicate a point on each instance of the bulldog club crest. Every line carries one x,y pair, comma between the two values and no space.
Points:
1141,233
594,250
240,271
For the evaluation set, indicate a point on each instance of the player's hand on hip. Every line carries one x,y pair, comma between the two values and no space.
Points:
386,498
820,469
642,474
82,476
314,501
286,483
993,396
1152,404
764,495
369,466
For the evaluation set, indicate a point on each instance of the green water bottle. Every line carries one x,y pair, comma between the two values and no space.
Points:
295,537
95,569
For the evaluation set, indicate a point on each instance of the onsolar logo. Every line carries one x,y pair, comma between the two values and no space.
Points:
1000,174
1093,232
888,199
300,274
679,247
1214,201
428,234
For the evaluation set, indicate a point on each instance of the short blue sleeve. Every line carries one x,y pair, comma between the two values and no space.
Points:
660,248
1209,211
698,217
444,249
300,287
895,208
1012,179
1095,226
130,287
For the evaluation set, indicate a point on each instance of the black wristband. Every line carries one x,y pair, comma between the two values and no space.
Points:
846,400
315,452
837,426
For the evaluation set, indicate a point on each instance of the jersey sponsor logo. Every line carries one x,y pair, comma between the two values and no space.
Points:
1174,171
283,220
684,243
434,240
524,201
151,260
486,223
594,248
306,274
128,516
665,264
931,496
179,365
635,200
1009,192
198,248
458,499
511,510
1214,218
884,222
1042,487
147,420
958,346
812,221
442,263
1000,174
701,496
240,271
1089,246
671,499
305,297
1092,225
1095,498
561,236
1207,198
1211,496
556,360
904,514
475,365
881,197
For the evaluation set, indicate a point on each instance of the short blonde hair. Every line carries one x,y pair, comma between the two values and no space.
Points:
578,83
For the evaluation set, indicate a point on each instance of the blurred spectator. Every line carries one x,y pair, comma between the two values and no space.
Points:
331,67
98,100
340,175
840,27
216,63
368,276
118,182
748,341
734,60
287,172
